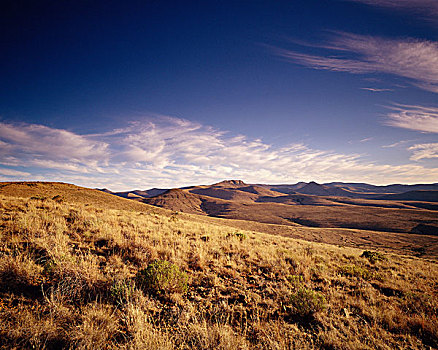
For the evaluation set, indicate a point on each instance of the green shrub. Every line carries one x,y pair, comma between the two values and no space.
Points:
305,302
162,277
238,234
355,271
373,257
295,280
121,291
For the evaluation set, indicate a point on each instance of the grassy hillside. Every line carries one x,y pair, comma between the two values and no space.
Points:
63,192
86,275
183,202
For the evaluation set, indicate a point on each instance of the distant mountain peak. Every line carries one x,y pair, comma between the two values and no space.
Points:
313,184
233,183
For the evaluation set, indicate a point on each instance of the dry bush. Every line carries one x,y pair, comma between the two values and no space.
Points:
30,327
144,335
19,273
79,278
97,329
207,336
373,257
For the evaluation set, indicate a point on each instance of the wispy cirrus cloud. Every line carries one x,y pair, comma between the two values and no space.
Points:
413,59
396,144
427,8
13,173
424,151
33,144
419,118
376,89
171,152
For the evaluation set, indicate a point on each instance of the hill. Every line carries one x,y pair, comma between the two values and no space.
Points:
177,200
137,193
421,196
81,275
230,183
322,190
325,209
69,193
235,216
338,189
353,190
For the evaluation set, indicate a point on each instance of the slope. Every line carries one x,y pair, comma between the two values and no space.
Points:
177,200
265,218
87,277
69,193
421,196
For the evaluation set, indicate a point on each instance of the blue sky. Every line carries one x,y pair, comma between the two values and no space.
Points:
140,94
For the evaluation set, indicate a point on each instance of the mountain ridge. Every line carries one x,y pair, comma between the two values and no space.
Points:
313,205
343,189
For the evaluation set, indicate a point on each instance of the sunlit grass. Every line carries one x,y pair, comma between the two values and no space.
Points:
69,279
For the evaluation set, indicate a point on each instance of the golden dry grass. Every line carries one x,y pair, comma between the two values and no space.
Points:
64,192
68,280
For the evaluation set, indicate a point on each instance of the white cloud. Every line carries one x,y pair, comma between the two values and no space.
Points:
419,118
38,143
416,60
168,152
424,151
376,89
428,8
14,173
396,144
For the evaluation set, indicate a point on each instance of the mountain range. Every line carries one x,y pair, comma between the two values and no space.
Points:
343,189
392,208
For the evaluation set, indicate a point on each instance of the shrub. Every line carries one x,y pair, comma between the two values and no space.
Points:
238,234
355,271
98,328
57,198
38,198
295,280
78,279
162,277
121,291
19,273
72,217
373,257
305,302
174,216
77,222
417,303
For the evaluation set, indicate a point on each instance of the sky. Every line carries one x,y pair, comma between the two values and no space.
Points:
138,94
